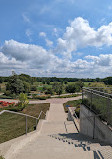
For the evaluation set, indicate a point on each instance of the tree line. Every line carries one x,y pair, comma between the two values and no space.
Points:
27,78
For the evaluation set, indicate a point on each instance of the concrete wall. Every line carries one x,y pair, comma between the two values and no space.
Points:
98,130
70,114
72,118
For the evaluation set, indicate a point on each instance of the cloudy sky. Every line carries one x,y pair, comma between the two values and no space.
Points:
62,38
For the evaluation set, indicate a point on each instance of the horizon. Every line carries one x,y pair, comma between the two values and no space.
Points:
60,38
56,77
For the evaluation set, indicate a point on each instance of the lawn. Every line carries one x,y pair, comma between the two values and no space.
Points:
13,125
86,84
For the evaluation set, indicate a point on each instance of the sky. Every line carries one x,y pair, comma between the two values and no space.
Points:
56,38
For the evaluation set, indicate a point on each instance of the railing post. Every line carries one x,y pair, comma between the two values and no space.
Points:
82,96
94,127
36,123
108,110
91,101
26,124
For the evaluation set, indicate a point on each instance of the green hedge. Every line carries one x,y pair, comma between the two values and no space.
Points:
5,97
42,97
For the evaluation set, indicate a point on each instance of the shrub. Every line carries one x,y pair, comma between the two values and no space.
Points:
7,93
23,100
33,88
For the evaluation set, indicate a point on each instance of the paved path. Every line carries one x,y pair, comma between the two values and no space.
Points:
51,100
46,147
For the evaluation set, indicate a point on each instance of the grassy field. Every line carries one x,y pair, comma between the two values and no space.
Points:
86,84
12,125
74,103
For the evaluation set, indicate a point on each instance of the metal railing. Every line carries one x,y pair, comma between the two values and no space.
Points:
26,118
99,102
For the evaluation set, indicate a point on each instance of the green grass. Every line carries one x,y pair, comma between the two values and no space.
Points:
1,157
13,125
86,84
74,103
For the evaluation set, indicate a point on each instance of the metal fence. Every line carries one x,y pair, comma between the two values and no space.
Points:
99,100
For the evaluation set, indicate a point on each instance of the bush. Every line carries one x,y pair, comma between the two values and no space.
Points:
5,97
49,91
34,96
33,88
23,100
70,88
43,97
40,97
7,93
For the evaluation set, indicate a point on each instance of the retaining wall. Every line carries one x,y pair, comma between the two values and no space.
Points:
94,127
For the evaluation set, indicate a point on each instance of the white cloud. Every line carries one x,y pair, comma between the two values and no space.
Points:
79,35
10,63
28,32
49,42
101,60
24,52
25,18
43,34
55,32
36,60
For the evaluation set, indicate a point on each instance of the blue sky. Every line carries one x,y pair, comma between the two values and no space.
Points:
62,38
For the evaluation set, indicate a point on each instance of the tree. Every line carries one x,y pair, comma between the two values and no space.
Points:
26,87
43,82
108,80
49,91
65,82
70,88
1,79
58,88
48,82
23,101
79,86
15,85
33,88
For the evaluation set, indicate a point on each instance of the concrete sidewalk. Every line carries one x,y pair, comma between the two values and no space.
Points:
46,147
